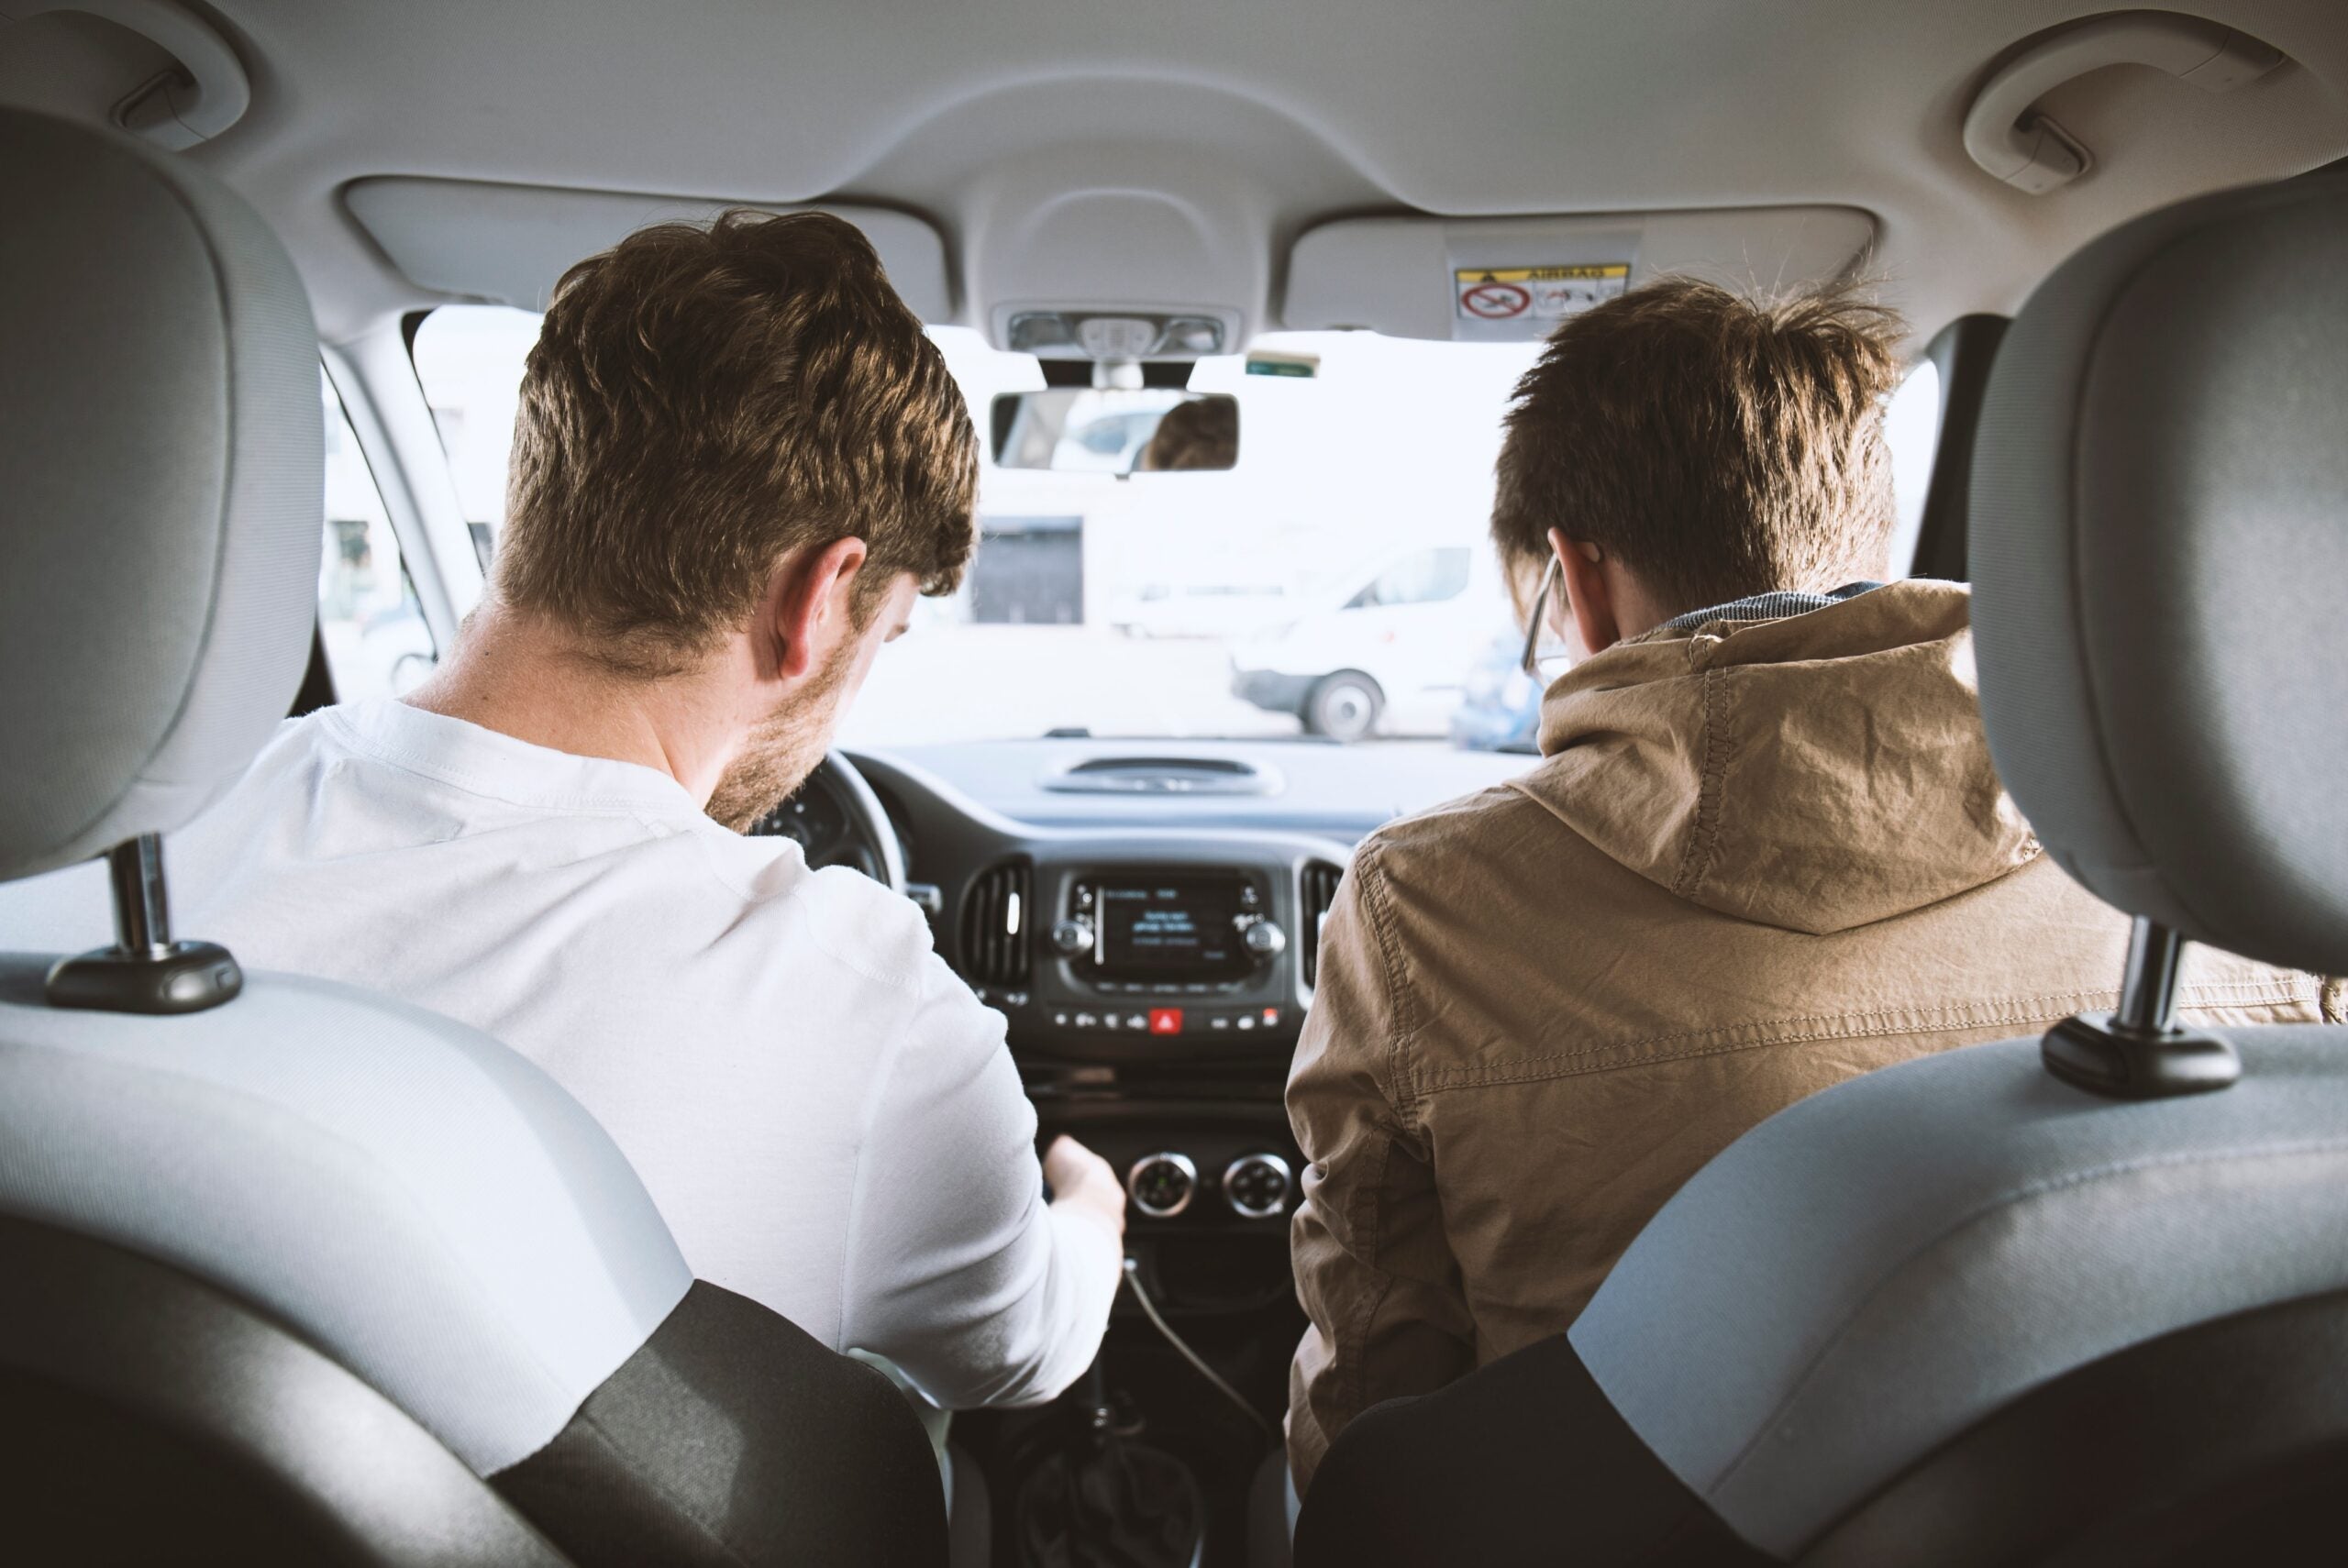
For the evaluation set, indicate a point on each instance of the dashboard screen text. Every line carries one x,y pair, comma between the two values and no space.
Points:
1162,927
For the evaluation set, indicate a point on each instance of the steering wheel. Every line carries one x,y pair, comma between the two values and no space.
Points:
837,821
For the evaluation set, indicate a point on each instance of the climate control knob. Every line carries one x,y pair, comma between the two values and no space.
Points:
1266,939
1257,1186
1162,1185
1071,937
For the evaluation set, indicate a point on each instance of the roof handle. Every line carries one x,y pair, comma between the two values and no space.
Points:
208,92
2013,143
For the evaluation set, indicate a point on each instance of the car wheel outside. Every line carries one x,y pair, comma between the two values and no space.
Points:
1344,707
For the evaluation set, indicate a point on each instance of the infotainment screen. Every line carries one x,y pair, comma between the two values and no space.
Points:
1171,927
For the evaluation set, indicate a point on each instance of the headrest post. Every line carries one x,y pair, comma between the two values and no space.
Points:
2138,1052
2148,988
145,970
142,912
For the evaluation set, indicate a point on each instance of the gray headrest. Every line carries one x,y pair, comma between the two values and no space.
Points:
162,474
2159,537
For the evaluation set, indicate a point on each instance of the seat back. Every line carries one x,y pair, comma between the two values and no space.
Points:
1962,1311
304,1274
1933,1263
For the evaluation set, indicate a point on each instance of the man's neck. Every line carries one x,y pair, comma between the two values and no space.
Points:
524,676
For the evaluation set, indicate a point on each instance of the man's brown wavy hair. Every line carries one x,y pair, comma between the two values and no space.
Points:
703,402
1718,446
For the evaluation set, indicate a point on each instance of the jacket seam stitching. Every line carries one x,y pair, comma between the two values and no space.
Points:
1853,1025
1393,974
1695,860
1365,1240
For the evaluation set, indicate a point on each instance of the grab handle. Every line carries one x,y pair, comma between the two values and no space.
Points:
2014,143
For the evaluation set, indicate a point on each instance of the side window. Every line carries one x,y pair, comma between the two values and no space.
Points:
1427,578
469,360
1912,428
377,643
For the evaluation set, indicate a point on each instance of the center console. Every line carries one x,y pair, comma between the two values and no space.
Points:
1153,985
1161,960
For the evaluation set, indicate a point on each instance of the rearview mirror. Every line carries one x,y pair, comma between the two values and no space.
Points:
1106,430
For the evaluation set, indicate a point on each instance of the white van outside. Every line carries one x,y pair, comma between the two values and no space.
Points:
1388,653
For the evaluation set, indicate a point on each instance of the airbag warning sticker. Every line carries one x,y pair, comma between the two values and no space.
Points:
1536,293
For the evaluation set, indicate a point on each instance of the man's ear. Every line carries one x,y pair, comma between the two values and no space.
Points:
810,606
1587,591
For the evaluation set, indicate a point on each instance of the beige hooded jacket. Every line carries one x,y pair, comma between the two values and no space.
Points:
1755,860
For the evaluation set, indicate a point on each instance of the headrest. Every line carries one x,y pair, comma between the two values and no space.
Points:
162,474
2159,538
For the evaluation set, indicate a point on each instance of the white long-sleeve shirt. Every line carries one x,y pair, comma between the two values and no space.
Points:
827,1117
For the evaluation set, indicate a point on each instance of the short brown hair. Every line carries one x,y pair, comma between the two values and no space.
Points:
702,402
1717,447
1202,433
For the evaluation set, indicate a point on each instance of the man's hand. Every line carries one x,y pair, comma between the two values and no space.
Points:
1082,1183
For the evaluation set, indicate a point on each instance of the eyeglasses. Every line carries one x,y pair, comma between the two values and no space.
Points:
1537,620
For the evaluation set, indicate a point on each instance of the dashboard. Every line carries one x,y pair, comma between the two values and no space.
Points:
1146,917
1305,785
1124,947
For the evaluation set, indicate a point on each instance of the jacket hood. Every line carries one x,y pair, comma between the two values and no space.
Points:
1814,773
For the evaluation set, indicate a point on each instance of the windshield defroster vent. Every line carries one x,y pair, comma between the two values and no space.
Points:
1317,890
1164,775
996,914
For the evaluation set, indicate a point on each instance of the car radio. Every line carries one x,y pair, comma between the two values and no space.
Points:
1180,950
1148,929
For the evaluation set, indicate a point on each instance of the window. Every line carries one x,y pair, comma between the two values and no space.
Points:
469,361
377,643
1120,606
1912,428
1429,577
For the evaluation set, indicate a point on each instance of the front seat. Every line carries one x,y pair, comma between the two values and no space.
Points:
291,1273
2077,1300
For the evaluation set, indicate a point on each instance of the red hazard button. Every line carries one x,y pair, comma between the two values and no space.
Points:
1166,1020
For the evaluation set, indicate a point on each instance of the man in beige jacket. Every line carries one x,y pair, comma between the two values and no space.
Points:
1764,850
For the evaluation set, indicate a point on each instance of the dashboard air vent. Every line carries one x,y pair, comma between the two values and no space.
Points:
996,915
1318,891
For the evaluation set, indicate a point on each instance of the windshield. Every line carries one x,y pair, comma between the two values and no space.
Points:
1335,582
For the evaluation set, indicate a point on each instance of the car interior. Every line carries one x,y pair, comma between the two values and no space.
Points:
294,1273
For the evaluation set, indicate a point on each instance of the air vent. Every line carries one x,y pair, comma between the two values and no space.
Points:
996,914
1317,890
1164,775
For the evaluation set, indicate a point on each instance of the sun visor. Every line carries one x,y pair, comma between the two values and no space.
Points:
1509,279
512,243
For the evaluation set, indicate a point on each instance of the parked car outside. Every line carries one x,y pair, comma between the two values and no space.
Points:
1200,609
1388,653
1500,709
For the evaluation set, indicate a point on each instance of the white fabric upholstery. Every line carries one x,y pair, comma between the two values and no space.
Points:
2159,539
1872,1271
409,1196
161,482
2158,550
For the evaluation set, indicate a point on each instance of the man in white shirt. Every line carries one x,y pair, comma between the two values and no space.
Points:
738,460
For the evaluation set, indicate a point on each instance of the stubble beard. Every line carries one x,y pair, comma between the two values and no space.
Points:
781,752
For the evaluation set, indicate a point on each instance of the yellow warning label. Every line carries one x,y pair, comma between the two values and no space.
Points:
1621,270
1536,293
